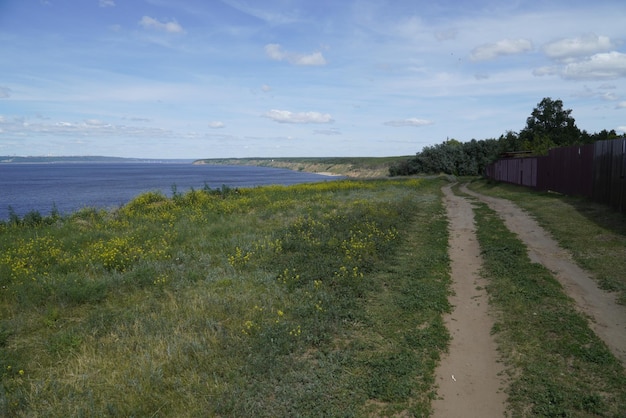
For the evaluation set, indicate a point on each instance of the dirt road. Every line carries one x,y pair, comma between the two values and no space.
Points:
608,319
469,376
470,379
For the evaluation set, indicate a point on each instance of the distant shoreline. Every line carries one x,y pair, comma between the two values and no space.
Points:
327,173
353,167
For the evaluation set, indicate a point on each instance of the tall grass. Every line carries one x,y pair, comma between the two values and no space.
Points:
312,300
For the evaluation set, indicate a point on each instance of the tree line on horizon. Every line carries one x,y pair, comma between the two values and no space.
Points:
549,126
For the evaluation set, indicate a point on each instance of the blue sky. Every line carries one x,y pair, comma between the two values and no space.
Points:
287,78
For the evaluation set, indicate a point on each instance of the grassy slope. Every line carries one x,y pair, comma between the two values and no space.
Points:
318,300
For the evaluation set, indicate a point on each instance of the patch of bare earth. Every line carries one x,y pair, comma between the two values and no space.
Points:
469,378
608,318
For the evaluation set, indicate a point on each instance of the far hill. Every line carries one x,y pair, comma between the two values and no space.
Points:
344,166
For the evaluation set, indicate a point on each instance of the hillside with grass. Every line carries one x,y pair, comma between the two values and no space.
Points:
355,167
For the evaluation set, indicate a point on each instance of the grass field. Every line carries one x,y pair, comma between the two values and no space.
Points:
310,300
273,301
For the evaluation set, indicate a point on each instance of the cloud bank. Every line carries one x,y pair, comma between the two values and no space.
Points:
415,122
216,124
285,116
173,26
503,47
277,53
571,48
603,66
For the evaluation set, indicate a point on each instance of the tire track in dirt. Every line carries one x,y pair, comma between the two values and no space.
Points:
608,318
469,376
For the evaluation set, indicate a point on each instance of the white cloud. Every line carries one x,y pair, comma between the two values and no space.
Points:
87,128
173,26
262,13
326,132
409,122
5,92
446,35
621,129
266,88
277,53
609,65
285,116
503,47
313,59
543,71
96,123
567,49
609,96
107,3
621,105
216,125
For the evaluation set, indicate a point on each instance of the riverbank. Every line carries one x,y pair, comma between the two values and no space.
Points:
353,167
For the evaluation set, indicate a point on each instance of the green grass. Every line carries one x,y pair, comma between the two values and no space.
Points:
309,300
557,366
594,234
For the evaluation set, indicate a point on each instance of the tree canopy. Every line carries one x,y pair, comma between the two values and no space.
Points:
549,125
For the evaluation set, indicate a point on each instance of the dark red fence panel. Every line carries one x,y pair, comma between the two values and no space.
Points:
596,170
609,173
521,171
568,170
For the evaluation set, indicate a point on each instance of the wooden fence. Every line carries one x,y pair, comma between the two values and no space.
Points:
596,171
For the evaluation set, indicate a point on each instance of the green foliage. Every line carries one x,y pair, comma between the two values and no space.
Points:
510,142
550,125
450,157
31,218
538,144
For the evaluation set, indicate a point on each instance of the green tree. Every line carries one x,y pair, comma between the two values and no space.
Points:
510,142
450,157
478,155
550,125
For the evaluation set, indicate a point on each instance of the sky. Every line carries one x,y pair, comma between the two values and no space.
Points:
298,78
